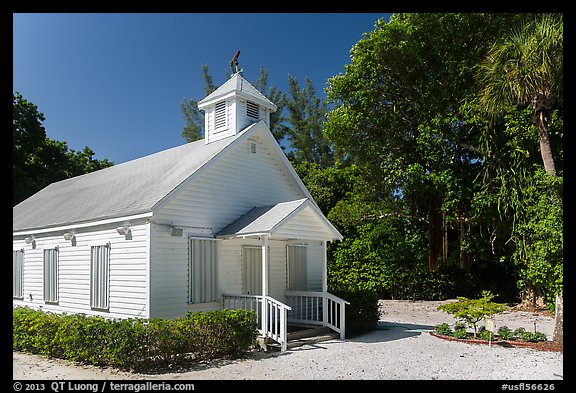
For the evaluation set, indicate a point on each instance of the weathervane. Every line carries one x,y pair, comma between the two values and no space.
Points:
234,63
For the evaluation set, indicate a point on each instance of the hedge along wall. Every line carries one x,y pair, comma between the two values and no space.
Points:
135,344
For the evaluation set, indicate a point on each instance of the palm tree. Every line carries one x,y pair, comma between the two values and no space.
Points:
526,69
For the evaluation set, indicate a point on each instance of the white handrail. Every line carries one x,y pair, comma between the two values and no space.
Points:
308,306
275,323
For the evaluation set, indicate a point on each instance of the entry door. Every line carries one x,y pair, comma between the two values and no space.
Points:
252,270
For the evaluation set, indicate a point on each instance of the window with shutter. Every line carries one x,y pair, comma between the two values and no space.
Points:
18,274
252,258
203,271
51,275
297,270
100,277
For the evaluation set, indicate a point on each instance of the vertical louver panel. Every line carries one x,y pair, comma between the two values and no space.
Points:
297,270
18,273
203,270
51,275
100,277
252,110
220,115
252,270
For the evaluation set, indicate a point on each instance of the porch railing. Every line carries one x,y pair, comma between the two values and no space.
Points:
272,323
319,308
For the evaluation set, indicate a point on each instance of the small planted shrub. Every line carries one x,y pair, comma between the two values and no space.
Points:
519,332
443,329
486,335
534,337
505,333
362,313
460,333
472,311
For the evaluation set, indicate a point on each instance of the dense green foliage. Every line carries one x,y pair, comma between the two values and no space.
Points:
37,160
135,344
450,195
362,313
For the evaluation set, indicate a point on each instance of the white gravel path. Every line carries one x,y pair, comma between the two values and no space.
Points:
401,349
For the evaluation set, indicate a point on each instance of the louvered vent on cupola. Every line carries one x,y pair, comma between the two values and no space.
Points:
232,107
252,110
220,115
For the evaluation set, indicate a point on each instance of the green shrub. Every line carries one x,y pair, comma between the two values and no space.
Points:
538,336
460,333
518,333
443,329
486,335
472,311
505,333
362,313
135,344
532,337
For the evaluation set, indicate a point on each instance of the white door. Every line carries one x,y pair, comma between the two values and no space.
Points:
252,260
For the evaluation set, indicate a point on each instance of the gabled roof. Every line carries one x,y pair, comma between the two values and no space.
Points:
130,188
237,85
282,220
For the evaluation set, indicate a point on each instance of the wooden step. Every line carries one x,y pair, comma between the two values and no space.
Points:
292,343
309,332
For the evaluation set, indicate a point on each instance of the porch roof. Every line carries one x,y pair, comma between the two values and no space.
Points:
298,219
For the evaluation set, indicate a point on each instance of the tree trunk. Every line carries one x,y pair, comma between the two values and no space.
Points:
465,257
434,234
542,107
559,320
444,240
545,148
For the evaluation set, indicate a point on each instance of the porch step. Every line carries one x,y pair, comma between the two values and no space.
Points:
293,343
296,332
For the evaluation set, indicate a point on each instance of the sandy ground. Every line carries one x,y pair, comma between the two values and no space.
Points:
401,349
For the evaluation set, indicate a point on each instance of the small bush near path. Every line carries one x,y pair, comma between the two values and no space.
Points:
135,344
362,313
504,333
472,311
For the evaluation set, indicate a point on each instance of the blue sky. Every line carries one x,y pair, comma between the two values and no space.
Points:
114,82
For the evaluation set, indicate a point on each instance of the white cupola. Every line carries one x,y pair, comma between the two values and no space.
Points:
232,107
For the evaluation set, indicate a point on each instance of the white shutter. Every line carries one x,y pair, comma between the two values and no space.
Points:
252,270
18,273
51,275
203,270
100,277
297,271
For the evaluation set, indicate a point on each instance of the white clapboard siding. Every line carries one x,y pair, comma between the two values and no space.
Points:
231,187
168,273
304,225
128,272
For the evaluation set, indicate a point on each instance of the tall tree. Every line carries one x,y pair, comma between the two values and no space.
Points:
193,130
525,68
37,160
306,117
401,114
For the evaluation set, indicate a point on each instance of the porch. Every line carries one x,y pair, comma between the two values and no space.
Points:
303,309
293,298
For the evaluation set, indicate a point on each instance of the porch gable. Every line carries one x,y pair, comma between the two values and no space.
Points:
299,219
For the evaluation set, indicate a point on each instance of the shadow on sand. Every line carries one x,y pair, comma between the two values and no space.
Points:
390,331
